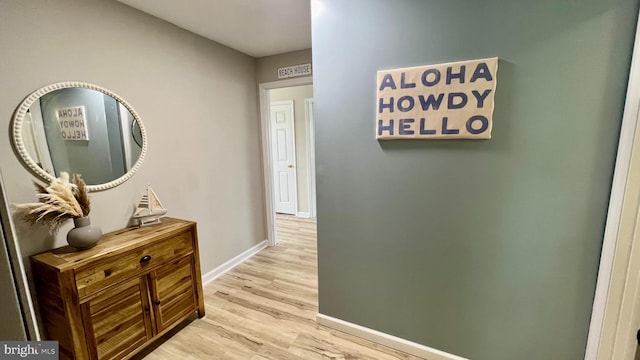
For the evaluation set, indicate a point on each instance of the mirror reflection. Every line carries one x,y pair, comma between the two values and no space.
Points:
82,130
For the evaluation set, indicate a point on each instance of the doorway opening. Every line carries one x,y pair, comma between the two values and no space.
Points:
288,147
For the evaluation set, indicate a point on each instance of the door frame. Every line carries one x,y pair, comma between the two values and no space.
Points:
618,273
18,270
290,104
265,130
311,155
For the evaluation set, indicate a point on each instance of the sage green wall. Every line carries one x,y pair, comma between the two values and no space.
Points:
484,249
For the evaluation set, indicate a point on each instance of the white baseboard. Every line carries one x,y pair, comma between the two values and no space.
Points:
305,215
391,341
220,270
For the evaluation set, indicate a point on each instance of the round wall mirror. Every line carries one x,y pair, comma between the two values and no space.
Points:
79,128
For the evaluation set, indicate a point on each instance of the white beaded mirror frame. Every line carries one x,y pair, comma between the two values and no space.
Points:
18,123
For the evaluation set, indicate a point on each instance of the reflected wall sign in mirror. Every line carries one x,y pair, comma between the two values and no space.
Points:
79,128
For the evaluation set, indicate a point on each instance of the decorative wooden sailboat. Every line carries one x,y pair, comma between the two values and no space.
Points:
149,209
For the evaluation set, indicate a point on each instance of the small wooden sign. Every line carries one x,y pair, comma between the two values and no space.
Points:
443,101
294,71
73,124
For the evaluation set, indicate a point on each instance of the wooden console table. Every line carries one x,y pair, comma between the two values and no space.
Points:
113,300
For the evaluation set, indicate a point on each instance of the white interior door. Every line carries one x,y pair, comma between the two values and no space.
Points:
283,155
627,271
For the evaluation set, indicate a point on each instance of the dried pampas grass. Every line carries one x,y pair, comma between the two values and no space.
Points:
81,194
59,202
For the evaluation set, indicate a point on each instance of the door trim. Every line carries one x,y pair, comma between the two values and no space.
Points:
16,263
614,260
267,164
311,155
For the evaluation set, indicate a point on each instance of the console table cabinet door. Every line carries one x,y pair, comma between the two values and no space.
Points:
118,320
173,289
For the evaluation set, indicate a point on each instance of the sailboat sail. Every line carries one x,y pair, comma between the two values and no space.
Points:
149,208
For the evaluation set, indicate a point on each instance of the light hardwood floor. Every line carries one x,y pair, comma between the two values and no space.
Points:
265,308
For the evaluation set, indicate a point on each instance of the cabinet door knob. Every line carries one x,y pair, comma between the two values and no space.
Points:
145,259
146,308
157,302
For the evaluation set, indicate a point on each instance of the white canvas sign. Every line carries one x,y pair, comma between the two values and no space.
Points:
73,124
443,101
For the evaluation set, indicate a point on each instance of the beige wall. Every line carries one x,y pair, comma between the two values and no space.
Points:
298,94
197,100
267,67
